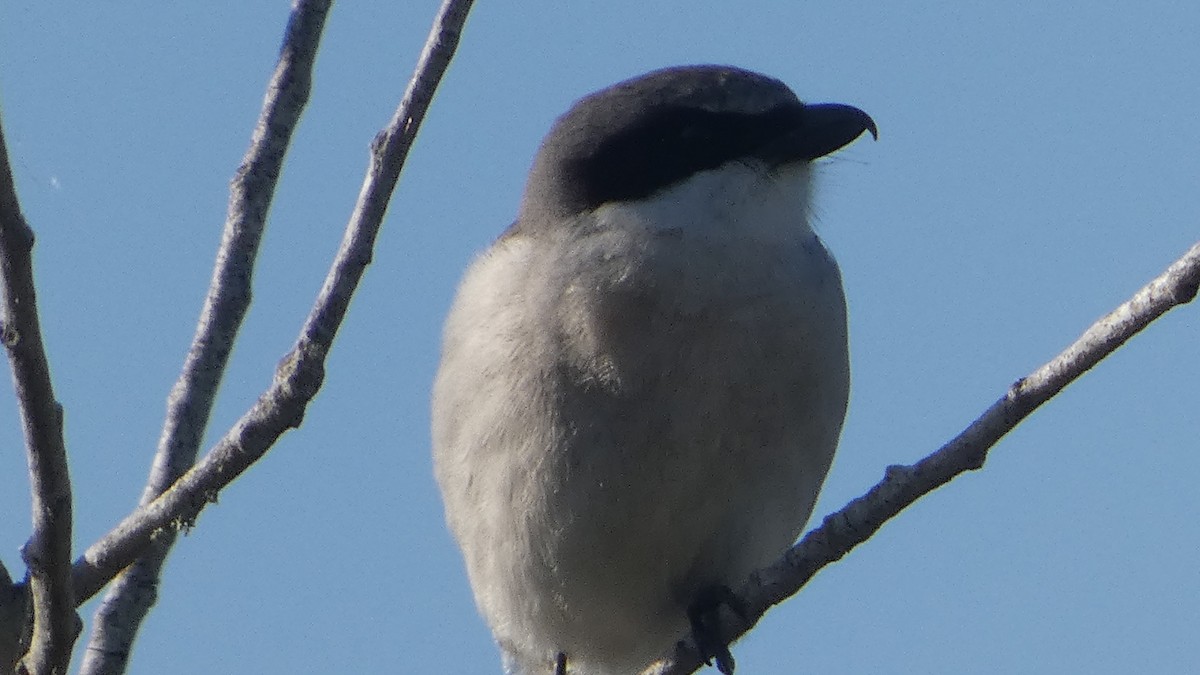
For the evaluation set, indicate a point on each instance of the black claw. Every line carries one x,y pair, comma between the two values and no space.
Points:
704,616
560,664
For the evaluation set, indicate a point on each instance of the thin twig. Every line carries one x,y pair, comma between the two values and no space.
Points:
903,485
48,552
300,373
190,403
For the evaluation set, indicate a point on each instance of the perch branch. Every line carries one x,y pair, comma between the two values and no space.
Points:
903,485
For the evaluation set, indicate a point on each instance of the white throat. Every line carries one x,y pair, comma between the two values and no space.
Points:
738,200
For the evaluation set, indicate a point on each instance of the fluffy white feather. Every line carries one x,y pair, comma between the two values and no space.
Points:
637,406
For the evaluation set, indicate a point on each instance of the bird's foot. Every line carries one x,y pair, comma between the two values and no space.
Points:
704,616
560,664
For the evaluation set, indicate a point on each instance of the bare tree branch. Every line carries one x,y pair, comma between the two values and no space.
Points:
903,485
190,403
300,373
47,554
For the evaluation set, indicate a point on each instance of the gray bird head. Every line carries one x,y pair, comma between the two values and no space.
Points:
637,137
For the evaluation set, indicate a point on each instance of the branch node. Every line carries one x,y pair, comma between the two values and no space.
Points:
1187,292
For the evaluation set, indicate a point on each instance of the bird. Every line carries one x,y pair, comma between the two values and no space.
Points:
644,378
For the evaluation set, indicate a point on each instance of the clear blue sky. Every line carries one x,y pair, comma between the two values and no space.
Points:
1035,166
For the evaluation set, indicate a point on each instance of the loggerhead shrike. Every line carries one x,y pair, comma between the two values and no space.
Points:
643,380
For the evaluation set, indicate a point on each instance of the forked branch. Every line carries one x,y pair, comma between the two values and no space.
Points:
300,373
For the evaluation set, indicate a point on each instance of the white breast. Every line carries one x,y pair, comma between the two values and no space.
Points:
638,406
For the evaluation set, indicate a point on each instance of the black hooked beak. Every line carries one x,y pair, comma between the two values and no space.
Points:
826,127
